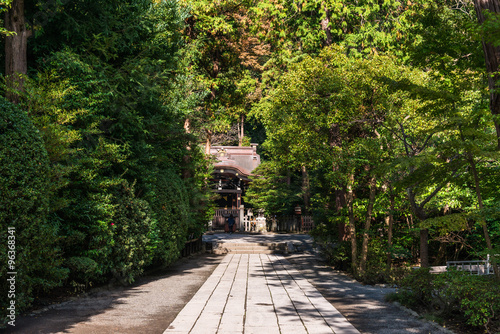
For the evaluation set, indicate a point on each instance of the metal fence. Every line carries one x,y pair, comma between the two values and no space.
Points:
474,267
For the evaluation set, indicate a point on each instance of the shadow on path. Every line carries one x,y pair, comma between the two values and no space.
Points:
147,306
363,305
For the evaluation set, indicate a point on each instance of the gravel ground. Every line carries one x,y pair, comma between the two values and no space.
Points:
148,306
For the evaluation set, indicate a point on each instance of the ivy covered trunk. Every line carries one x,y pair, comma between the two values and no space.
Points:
16,65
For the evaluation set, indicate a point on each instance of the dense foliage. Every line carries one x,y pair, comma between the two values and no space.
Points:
113,182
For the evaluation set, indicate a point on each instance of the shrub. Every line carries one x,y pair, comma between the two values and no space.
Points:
335,253
113,236
24,203
418,288
478,297
475,298
81,268
397,274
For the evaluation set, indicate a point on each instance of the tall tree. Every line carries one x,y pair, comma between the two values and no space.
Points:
368,220
492,59
328,109
225,58
16,49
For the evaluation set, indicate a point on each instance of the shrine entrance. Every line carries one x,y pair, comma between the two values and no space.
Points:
230,179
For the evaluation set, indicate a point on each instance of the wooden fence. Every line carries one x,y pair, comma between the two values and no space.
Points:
192,246
220,218
293,223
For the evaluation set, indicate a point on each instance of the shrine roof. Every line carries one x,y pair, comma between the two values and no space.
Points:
241,158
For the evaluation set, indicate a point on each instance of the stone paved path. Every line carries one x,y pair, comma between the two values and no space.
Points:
264,293
258,293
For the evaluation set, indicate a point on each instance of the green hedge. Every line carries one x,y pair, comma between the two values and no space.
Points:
132,248
111,235
169,201
24,203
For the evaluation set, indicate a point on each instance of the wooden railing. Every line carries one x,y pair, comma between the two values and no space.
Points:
192,246
220,218
295,223
307,223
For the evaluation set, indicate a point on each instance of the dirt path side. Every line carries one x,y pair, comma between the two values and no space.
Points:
148,306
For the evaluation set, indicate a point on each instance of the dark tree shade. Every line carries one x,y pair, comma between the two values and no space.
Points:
492,58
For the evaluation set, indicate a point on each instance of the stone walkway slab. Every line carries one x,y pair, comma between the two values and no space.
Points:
258,293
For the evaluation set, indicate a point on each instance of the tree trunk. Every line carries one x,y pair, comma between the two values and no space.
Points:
441,254
241,130
325,26
340,203
388,224
352,223
389,219
481,207
424,233
186,160
16,46
424,248
492,58
208,144
366,234
305,189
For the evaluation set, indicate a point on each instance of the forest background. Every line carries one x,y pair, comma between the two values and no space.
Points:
379,118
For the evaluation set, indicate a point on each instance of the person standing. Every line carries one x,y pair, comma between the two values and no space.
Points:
230,223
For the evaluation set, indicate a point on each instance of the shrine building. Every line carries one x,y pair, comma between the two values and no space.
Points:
232,174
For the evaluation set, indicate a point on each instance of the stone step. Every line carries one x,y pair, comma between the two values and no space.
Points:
248,248
235,245
232,251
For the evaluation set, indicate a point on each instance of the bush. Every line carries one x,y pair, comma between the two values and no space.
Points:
397,274
478,297
24,205
475,298
335,253
81,268
418,287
